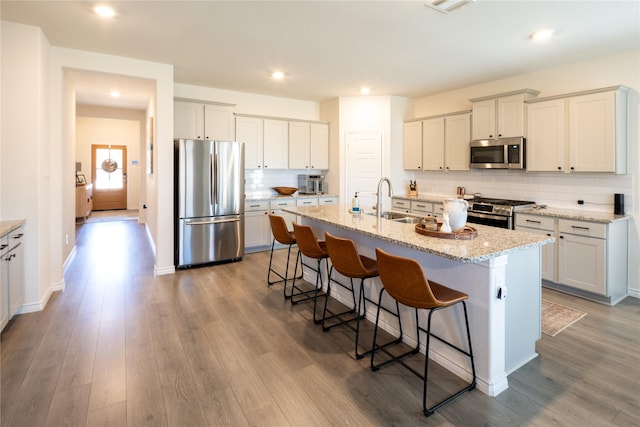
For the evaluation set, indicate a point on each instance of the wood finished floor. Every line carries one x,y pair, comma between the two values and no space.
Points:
216,346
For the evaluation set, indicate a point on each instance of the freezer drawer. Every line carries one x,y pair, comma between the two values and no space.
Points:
208,240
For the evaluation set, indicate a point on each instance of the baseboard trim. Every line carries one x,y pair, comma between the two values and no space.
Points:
69,260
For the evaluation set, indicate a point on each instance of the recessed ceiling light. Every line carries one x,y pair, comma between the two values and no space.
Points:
105,11
541,35
278,75
365,90
115,93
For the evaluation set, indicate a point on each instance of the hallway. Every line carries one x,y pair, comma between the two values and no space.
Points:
216,346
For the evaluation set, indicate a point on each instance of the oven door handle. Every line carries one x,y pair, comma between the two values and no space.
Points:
488,216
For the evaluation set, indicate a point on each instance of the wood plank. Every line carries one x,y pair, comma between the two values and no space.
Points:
69,407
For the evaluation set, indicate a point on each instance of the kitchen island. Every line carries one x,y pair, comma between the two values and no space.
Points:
500,270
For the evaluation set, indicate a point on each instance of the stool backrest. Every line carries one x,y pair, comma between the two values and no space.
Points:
280,231
307,242
344,256
405,281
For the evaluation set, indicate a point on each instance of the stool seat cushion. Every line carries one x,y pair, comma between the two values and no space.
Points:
308,244
404,280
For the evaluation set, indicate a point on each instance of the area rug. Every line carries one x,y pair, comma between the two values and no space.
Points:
556,317
115,215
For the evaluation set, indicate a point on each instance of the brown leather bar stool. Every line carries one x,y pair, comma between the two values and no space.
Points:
346,260
311,247
281,234
404,280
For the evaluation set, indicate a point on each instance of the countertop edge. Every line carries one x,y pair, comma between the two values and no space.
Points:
267,197
464,259
574,214
9,225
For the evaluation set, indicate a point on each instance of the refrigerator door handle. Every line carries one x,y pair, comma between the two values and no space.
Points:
212,180
212,221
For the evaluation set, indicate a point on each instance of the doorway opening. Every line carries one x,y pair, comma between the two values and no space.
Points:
109,177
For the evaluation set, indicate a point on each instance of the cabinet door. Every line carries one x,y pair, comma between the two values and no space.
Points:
319,146
592,133
484,119
188,120
548,254
457,134
299,145
249,131
276,144
16,272
218,123
510,116
546,136
257,231
412,146
433,144
581,262
4,283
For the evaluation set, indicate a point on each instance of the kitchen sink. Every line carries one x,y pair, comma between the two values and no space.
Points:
398,217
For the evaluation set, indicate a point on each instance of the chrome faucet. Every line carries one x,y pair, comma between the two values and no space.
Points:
378,194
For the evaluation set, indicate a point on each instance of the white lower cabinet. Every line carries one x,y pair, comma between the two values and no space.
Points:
421,208
11,275
257,231
401,205
545,226
277,205
582,262
330,200
589,258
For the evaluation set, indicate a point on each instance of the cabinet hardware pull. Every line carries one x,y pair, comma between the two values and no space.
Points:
580,228
533,221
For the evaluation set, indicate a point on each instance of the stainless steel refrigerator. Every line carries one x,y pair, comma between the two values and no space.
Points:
209,202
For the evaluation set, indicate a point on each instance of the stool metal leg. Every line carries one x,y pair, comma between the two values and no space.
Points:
310,294
332,315
285,278
430,411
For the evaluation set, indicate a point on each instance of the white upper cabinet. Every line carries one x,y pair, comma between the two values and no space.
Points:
500,116
276,144
319,146
433,144
308,146
438,144
412,145
194,120
592,133
249,131
583,132
545,146
457,134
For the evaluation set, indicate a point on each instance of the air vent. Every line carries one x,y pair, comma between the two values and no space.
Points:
447,6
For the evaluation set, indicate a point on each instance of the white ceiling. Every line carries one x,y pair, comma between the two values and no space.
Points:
330,48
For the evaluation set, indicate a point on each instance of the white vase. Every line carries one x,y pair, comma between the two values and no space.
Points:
456,210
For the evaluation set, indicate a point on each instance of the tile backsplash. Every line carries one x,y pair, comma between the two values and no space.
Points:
557,190
259,182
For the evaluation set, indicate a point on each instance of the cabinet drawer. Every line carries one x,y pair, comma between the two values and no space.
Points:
328,200
256,206
310,201
421,208
535,221
583,228
401,205
279,203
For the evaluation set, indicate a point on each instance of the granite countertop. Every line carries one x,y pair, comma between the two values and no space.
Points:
262,196
491,242
576,214
429,198
8,226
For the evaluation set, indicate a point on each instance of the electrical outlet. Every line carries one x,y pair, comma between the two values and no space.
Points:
66,239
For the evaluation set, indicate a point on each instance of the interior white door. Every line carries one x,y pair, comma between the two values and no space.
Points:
364,167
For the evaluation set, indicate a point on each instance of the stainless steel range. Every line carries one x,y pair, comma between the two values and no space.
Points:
495,212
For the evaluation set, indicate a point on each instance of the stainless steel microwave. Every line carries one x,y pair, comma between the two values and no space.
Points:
503,153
